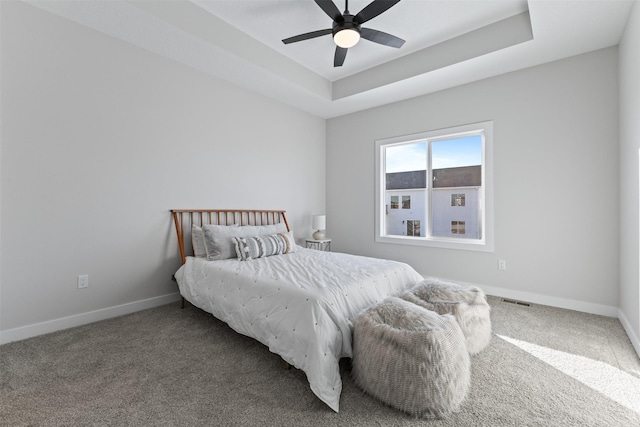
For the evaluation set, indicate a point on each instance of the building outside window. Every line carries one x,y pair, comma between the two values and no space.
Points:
409,206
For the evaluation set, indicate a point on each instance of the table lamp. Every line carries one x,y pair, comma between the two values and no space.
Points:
319,223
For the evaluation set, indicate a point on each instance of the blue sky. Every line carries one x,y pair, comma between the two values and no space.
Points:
466,151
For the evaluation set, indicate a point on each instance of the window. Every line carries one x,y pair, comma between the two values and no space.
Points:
457,227
394,202
413,227
406,202
440,179
457,199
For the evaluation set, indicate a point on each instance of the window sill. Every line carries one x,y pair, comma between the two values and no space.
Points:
443,243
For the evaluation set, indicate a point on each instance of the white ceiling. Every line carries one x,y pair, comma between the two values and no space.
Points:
419,23
448,42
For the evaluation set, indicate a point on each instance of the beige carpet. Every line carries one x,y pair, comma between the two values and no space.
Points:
172,367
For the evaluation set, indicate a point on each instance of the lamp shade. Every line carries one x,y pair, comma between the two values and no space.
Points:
319,222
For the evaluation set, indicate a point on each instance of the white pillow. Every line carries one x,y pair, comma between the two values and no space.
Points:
197,240
217,238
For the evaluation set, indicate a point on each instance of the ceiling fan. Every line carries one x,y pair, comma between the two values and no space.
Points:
347,30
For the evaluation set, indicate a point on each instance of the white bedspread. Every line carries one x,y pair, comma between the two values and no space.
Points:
301,305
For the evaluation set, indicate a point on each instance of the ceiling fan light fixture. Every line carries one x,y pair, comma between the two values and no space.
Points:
347,37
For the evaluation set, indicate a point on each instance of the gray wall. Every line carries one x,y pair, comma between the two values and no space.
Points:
629,176
556,178
99,140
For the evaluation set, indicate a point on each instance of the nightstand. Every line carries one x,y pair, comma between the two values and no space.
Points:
320,245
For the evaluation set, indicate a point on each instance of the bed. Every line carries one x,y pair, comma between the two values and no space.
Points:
301,303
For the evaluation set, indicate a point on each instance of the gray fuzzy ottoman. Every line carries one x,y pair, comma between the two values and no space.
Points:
467,303
411,358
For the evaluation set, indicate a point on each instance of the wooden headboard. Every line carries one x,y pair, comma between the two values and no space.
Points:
184,218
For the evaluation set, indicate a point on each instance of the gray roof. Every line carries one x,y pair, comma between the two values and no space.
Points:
464,176
405,180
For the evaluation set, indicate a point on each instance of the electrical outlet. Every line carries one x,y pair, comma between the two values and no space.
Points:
83,281
502,264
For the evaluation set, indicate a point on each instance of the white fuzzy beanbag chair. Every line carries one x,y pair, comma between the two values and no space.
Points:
411,358
467,303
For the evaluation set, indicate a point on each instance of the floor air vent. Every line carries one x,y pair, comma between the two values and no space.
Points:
516,302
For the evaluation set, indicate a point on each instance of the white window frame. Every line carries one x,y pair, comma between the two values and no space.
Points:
486,243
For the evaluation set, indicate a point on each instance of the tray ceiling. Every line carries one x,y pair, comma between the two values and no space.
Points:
448,43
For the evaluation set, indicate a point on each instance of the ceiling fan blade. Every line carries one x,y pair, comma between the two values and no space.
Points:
381,37
373,9
306,36
338,59
330,9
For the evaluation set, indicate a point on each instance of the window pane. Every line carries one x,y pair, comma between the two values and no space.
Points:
394,202
415,227
457,227
457,199
405,173
457,165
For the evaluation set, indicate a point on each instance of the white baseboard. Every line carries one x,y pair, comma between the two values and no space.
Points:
29,331
635,341
569,304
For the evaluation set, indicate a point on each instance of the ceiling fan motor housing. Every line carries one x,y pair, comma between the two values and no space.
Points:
348,23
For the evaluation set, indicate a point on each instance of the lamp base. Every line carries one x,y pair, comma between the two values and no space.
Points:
319,235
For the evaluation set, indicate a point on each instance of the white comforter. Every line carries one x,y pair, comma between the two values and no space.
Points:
301,305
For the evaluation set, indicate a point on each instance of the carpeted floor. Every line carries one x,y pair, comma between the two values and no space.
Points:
172,367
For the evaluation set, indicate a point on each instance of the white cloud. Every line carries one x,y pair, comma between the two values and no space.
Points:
406,157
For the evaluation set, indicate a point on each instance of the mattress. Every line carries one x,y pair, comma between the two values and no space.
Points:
302,305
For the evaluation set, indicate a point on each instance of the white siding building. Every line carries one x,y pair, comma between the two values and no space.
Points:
456,213
406,212
405,203
455,199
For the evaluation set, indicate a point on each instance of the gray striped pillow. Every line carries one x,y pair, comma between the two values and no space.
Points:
263,246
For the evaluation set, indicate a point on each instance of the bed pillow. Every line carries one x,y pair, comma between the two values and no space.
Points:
217,238
263,246
197,240
289,242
